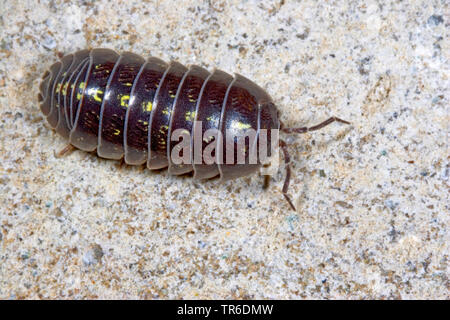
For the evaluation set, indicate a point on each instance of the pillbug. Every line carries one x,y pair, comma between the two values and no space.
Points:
129,108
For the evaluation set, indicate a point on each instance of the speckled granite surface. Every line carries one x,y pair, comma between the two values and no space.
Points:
373,208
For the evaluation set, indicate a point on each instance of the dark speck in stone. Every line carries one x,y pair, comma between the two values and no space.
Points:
303,35
25,256
393,234
363,66
411,266
435,20
390,204
18,115
287,67
201,244
4,45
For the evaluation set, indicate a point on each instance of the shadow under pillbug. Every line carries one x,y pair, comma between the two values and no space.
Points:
127,107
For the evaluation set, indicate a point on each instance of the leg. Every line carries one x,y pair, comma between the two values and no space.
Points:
266,178
121,163
266,182
314,128
65,151
287,160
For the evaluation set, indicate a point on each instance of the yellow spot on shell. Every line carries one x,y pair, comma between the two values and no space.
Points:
147,106
163,129
96,97
143,122
241,125
58,88
124,100
81,86
165,111
128,84
116,132
190,116
64,91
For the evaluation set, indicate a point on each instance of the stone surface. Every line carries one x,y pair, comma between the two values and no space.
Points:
372,198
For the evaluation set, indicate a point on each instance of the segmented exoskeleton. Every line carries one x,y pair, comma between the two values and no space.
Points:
126,107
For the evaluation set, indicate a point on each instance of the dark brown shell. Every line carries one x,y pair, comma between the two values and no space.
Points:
125,106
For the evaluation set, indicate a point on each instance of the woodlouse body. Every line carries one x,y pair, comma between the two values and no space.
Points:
125,106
